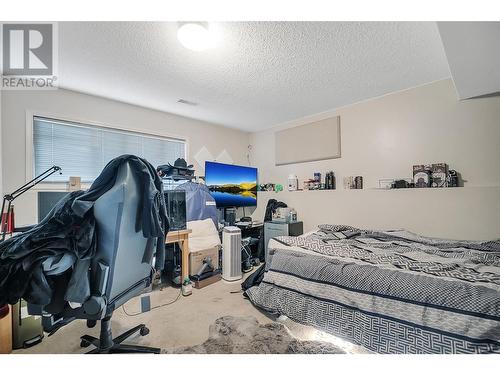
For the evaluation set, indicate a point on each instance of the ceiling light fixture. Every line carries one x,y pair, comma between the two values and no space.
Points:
195,36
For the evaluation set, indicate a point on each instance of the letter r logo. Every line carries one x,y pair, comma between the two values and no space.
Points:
27,49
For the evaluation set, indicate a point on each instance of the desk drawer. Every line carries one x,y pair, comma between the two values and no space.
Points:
277,226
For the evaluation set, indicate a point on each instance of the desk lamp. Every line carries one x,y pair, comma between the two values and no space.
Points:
7,218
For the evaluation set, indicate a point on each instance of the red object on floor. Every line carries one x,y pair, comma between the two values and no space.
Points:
4,311
8,221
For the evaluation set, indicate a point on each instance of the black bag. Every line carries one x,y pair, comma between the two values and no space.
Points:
254,279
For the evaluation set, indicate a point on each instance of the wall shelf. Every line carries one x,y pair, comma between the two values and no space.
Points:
459,188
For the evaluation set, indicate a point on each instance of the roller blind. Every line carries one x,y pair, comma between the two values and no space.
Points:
83,150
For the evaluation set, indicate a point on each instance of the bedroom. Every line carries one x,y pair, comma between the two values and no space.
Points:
323,186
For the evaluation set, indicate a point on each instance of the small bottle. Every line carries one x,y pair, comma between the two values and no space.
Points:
187,287
293,182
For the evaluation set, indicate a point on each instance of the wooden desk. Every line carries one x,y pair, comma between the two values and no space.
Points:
181,237
6,333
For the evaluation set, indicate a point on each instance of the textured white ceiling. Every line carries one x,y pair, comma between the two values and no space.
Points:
258,75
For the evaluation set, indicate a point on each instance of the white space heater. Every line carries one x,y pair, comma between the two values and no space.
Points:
231,254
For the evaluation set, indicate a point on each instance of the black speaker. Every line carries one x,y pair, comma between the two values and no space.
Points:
176,209
230,215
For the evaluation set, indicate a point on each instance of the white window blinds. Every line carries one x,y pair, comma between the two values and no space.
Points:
83,150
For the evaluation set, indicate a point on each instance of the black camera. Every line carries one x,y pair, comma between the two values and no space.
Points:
400,184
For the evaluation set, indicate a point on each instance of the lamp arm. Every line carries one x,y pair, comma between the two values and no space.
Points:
30,184
23,189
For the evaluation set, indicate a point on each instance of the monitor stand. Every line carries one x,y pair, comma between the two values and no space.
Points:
245,218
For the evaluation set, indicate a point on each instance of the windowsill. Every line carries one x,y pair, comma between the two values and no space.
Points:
58,186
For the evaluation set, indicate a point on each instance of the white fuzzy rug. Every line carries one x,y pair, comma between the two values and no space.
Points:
245,335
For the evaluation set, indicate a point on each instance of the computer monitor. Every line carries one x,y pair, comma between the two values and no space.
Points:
231,185
175,201
47,200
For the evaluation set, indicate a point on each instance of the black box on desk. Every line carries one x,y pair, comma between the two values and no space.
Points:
439,174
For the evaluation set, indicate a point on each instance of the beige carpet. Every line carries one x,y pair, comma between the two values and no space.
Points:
183,323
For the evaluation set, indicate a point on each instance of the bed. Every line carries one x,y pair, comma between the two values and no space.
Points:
389,291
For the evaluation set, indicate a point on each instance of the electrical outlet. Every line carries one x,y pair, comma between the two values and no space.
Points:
145,303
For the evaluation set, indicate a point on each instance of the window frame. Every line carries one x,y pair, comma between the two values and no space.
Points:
74,121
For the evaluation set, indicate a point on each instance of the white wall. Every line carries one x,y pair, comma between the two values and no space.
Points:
86,108
384,138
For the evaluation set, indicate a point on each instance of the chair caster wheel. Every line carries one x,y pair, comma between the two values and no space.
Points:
144,331
84,344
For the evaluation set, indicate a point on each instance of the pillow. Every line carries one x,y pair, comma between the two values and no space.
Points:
336,228
204,235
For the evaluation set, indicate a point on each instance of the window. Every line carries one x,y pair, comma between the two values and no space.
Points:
83,150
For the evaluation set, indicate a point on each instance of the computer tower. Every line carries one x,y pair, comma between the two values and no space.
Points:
230,215
175,201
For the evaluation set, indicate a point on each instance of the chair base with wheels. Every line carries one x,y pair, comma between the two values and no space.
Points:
105,344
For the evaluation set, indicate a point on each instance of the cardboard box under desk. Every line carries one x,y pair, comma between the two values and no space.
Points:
208,281
196,259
